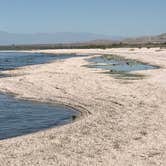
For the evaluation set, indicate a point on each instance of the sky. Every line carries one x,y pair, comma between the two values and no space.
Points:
110,17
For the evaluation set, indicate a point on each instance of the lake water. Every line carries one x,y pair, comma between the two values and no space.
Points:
19,117
12,60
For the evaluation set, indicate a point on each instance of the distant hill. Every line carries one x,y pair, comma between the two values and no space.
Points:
146,39
75,39
52,38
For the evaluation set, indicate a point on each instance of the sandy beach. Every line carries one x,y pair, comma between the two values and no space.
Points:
123,122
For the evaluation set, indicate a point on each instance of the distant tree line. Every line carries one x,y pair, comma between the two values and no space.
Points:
81,46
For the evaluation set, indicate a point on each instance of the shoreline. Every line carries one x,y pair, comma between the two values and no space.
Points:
121,127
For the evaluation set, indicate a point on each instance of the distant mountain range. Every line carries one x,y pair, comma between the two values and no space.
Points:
69,37
158,39
51,38
146,39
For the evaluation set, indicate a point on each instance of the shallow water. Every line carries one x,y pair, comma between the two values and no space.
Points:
19,117
119,66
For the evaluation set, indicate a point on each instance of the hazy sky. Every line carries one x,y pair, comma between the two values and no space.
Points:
112,17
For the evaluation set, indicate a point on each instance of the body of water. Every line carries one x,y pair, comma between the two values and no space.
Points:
19,117
12,60
119,66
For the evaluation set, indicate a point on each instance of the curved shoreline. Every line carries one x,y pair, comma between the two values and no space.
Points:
124,124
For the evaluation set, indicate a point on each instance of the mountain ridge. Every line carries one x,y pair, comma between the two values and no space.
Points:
7,38
161,38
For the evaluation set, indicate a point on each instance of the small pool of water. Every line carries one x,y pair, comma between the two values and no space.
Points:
19,117
119,66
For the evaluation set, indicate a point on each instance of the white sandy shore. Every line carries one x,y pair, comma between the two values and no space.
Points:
124,122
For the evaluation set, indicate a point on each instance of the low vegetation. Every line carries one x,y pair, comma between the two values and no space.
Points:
81,46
